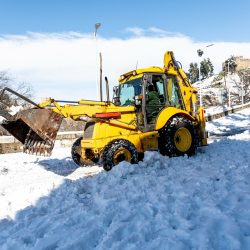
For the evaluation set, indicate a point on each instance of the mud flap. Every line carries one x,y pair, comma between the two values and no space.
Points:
36,129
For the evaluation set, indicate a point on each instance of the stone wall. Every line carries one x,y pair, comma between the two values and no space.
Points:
8,144
242,63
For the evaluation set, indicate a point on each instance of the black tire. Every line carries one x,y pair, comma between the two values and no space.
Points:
76,156
75,152
178,137
117,151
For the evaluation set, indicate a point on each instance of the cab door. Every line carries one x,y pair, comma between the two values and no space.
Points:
173,94
155,97
159,91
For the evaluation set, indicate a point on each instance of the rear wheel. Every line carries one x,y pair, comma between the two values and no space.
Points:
178,137
117,151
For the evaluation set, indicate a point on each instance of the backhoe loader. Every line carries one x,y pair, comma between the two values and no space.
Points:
124,128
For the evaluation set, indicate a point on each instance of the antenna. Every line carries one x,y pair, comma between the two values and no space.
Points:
100,55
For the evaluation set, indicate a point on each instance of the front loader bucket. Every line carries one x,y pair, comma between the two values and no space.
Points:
35,128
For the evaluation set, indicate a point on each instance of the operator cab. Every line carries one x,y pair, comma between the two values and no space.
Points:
149,93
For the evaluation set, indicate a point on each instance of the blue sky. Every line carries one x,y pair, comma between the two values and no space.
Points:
221,20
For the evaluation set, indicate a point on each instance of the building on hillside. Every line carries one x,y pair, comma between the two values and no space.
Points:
242,63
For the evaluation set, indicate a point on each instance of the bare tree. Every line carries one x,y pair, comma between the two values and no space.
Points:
245,83
4,82
230,65
242,87
22,88
6,99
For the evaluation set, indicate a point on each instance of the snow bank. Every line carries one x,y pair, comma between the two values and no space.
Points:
200,202
232,124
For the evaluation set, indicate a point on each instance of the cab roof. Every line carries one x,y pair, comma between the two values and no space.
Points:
138,73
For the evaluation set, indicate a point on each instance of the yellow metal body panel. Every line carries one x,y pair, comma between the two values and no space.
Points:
81,110
203,135
139,73
142,141
167,113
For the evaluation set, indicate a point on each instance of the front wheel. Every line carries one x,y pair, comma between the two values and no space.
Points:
178,137
76,151
117,151
77,158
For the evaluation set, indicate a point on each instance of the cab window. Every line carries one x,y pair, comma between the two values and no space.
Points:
173,92
129,90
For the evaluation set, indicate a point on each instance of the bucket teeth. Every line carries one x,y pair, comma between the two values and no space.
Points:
34,144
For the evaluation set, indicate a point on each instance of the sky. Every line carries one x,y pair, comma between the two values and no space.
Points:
224,20
50,44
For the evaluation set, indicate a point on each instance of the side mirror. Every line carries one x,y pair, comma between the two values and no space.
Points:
115,91
116,98
116,101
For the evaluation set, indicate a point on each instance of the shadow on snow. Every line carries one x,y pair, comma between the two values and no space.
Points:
63,167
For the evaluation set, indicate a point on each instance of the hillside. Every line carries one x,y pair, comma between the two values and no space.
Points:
217,88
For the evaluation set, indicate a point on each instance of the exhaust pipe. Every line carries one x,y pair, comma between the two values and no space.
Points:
107,88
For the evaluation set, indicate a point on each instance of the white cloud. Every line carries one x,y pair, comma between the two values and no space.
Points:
151,32
136,31
63,65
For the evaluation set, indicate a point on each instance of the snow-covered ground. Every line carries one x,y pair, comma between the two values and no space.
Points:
200,202
213,110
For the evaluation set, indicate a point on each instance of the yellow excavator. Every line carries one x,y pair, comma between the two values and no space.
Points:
153,108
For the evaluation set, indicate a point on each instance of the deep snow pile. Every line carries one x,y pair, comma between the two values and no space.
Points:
161,203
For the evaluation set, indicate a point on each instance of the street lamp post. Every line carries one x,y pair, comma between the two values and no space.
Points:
97,26
229,97
242,92
229,64
227,85
200,52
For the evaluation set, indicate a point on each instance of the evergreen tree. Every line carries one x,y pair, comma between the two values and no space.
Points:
211,67
206,68
230,65
193,72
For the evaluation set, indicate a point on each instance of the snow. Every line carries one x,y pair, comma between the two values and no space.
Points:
235,123
213,110
219,89
200,202
12,110
15,109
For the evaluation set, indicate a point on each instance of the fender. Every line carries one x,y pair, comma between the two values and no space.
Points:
169,112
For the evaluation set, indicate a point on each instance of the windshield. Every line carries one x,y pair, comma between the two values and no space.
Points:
128,90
